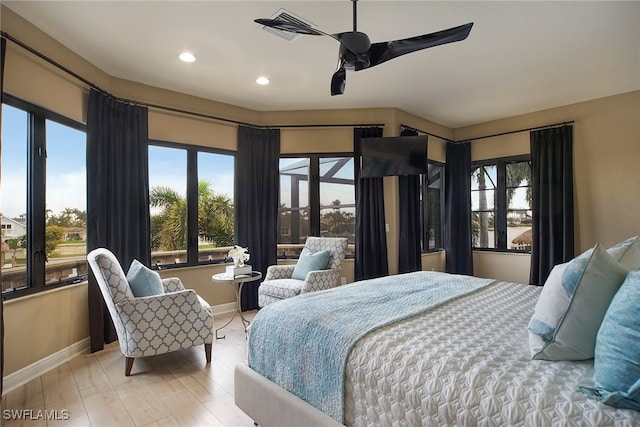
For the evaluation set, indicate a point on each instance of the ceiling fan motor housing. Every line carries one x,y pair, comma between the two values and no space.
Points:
355,41
354,50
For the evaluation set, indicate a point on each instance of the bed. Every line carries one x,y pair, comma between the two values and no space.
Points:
464,360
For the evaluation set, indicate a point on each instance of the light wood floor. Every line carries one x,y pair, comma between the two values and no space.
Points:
175,389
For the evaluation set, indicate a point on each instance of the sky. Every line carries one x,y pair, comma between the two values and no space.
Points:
168,168
66,171
66,158
66,175
66,167
328,191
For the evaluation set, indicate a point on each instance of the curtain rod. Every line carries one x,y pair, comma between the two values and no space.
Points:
522,130
494,135
425,132
336,125
156,106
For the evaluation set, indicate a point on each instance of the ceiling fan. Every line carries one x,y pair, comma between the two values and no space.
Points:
358,53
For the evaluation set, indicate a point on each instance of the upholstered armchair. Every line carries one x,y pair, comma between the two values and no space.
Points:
175,319
284,281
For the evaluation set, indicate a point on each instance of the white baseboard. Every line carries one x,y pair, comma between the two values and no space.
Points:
42,366
224,308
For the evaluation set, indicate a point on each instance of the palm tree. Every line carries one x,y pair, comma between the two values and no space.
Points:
481,229
337,218
169,226
215,216
516,173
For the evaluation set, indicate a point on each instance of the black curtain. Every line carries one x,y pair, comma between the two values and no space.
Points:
552,201
409,250
117,194
457,220
3,47
257,201
371,239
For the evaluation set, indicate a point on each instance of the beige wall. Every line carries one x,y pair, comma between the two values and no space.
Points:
606,153
40,325
606,149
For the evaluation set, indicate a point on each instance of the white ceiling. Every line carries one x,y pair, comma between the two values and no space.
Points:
520,56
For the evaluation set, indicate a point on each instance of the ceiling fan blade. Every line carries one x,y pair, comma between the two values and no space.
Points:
384,51
292,27
338,82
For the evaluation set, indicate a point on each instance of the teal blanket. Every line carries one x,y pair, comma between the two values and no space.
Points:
302,343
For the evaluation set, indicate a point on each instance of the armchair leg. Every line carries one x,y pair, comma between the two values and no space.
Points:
128,365
207,352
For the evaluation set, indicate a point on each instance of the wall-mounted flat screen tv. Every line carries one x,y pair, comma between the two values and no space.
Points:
393,156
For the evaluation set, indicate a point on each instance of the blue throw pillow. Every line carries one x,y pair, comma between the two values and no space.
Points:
309,261
617,358
142,281
572,305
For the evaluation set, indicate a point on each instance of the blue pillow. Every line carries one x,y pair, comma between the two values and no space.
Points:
617,358
309,261
142,281
572,305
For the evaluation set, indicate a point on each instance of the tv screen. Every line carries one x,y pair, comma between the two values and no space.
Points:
393,156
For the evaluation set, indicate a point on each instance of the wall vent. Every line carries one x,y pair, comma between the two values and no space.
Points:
285,15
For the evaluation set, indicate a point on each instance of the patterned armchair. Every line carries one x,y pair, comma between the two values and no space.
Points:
147,326
278,284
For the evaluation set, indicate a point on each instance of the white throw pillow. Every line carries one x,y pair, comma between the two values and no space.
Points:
572,305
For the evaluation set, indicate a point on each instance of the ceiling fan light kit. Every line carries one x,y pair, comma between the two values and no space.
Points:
358,53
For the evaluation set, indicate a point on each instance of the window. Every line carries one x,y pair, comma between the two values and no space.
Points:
501,204
432,207
317,198
191,204
43,199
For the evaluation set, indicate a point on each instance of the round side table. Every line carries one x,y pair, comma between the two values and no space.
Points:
236,283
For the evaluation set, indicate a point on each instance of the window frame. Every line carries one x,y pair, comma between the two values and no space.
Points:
500,208
36,195
192,151
425,220
314,192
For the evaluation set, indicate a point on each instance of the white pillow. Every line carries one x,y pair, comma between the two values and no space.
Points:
572,305
627,253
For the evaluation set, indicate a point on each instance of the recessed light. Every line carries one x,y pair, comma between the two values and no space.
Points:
262,81
187,57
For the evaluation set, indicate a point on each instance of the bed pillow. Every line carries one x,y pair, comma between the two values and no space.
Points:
627,252
143,281
617,359
310,261
572,304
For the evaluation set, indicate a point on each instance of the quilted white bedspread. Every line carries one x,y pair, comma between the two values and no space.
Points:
467,363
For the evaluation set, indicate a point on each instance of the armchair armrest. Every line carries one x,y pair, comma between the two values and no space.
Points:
172,284
181,307
320,279
279,272
162,323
